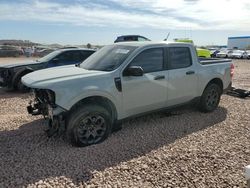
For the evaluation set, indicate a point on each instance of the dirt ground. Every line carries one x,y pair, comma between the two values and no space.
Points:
184,149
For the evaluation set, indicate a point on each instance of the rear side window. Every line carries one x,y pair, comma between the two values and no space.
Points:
150,60
179,57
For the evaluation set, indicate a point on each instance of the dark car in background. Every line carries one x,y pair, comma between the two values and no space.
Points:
11,74
127,38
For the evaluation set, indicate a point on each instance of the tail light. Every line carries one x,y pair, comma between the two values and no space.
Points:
232,70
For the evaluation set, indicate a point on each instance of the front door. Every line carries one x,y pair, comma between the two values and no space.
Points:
147,92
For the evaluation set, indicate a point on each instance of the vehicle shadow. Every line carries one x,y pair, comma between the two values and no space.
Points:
28,156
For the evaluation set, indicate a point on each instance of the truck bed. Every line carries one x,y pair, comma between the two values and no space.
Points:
208,61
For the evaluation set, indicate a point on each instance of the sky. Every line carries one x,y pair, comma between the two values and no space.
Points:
207,22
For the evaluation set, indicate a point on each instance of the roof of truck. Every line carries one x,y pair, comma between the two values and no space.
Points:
150,43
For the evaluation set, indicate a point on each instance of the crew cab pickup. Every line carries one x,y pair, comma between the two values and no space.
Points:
11,74
124,80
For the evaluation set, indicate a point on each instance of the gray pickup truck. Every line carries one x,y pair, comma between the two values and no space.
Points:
124,80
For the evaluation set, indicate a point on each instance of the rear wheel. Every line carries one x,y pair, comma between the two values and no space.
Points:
88,124
210,98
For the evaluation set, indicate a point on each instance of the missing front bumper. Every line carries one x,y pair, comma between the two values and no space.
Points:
56,117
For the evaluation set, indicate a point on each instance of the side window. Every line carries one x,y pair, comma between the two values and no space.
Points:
65,56
150,60
74,56
179,57
130,38
85,54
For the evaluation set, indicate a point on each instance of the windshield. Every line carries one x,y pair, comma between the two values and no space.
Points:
49,56
108,58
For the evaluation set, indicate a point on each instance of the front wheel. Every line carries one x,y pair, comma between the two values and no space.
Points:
19,86
88,124
210,98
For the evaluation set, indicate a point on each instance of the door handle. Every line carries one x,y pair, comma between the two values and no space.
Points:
160,77
190,72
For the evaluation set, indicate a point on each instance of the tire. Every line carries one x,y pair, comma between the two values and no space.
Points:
210,98
18,85
88,124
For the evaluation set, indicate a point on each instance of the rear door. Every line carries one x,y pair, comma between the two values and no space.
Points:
182,77
147,92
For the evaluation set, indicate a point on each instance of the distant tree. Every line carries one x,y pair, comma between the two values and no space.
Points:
248,48
89,45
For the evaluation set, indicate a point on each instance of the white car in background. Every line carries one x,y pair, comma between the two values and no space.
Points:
238,54
224,53
246,54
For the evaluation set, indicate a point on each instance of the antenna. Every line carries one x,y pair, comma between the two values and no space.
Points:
167,37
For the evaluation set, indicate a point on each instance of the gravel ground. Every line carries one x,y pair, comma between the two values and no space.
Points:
183,149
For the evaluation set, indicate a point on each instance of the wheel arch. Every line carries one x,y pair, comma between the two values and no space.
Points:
21,72
217,81
100,100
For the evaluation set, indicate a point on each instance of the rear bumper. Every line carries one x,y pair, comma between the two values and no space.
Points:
236,57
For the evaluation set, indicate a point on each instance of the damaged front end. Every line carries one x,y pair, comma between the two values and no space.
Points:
44,104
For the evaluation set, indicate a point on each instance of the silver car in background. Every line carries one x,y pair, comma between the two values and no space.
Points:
246,54
224,53
238,54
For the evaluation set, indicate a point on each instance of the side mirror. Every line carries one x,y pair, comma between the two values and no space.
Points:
133,71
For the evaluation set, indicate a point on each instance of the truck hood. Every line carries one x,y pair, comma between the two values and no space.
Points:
58,74
11,65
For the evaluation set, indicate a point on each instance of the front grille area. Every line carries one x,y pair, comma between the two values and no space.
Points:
45,96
